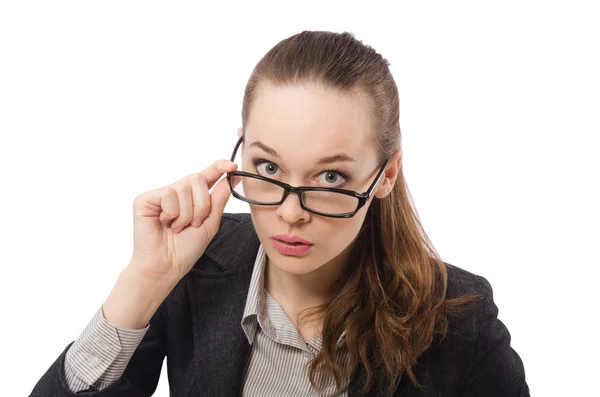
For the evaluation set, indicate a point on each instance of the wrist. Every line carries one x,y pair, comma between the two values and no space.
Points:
135,298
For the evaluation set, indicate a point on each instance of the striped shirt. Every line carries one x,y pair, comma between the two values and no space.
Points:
279,355
277,365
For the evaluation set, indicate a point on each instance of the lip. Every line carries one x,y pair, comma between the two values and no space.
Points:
290,238
291,249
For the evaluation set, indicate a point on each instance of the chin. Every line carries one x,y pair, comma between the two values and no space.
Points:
295,265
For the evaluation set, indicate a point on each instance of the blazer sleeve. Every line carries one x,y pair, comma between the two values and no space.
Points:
140,378
496,369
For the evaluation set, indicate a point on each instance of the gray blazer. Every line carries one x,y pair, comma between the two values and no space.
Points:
198,329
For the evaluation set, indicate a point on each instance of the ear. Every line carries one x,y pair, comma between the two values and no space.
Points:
390,174
240,131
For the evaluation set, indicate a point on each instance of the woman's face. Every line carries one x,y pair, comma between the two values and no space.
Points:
304,125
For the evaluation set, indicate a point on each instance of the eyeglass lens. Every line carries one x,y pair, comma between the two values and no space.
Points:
267,193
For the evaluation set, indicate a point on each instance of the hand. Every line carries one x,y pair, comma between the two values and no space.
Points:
174,224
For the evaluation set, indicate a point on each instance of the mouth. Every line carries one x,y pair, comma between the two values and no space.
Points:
291,239
292,249
290,243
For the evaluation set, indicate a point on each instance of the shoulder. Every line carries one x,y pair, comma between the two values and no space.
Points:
479,342
466,324
461,281
477,315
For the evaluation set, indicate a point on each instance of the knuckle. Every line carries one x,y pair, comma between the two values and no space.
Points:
185,188
171,210
185,204
170,190
192,177
198,177
202,209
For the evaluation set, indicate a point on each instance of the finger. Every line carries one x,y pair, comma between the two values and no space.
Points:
213,172
200,199
166,199
184,196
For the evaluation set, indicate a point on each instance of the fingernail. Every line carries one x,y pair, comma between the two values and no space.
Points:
196,222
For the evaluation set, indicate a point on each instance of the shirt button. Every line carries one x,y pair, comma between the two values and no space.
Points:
91,360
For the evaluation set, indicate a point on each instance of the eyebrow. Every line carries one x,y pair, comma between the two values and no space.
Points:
324,160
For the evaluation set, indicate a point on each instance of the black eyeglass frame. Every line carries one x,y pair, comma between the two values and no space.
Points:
362,197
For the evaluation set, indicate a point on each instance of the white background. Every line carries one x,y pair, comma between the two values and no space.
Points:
102,101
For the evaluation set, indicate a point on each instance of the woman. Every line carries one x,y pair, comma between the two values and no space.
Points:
331,288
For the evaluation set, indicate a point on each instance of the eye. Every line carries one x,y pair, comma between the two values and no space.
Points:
269,170
331,178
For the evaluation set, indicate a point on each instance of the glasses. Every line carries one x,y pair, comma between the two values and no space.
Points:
329,202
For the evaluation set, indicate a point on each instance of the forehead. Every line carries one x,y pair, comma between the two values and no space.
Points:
310,121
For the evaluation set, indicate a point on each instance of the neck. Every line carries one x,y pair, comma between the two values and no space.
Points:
298,292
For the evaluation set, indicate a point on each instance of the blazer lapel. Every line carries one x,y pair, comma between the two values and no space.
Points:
218,287
220,345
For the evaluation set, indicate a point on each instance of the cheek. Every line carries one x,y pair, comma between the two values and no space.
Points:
265,222
334,236
342,234
330,235
257,220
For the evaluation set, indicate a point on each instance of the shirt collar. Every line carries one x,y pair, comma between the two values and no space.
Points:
255,302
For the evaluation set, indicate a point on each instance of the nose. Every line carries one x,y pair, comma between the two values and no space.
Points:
291,211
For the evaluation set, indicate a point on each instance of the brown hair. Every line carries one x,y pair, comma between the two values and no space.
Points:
395,303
